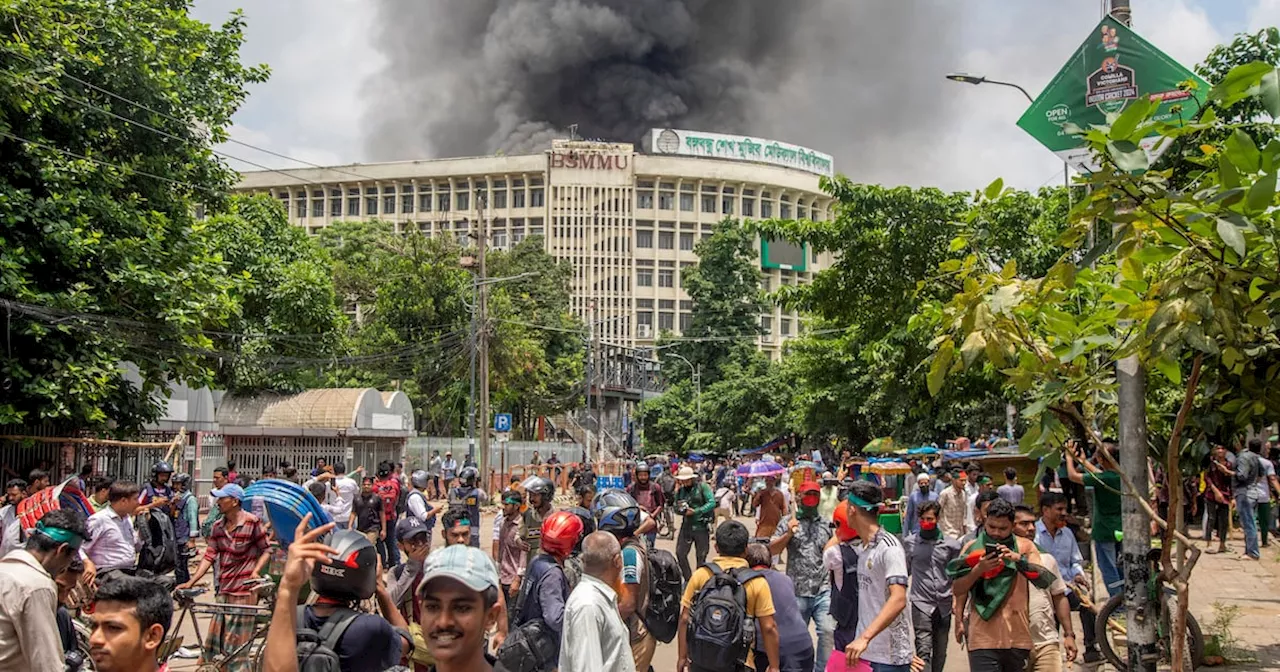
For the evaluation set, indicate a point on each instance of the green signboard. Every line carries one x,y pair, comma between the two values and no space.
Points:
1111,68
784,255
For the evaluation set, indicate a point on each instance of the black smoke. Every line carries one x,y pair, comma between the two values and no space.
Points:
474,77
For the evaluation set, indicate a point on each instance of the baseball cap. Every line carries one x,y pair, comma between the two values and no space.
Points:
923,477
463,563
410,527
810,486
229,490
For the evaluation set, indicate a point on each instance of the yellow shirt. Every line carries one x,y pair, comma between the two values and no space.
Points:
759,599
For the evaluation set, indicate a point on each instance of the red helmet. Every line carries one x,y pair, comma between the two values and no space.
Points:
844,531
560,533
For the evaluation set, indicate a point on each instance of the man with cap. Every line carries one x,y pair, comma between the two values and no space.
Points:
695,504
460,604
238,548
804,536
922,494
28,595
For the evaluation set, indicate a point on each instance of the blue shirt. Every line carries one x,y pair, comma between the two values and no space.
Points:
793,632
1063,547
914,502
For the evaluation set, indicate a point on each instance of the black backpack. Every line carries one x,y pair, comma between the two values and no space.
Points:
159,553
318,651
720,633
666,584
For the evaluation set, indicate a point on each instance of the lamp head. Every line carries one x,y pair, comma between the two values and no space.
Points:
966,78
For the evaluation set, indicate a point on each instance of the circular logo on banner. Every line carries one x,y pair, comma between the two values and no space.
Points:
668,142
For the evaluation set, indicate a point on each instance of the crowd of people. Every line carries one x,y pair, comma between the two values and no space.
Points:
579,584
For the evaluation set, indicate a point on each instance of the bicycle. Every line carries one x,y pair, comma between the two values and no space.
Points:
1113,631
254,647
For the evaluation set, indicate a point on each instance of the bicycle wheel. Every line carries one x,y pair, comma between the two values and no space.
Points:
1113,639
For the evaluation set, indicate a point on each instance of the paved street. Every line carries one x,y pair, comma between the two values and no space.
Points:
1252,587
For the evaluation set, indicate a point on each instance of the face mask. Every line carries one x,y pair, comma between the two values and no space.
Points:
810,500
928,529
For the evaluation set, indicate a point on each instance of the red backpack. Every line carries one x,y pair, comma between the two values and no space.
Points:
388,489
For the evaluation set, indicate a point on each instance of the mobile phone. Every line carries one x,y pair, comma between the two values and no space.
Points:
993,549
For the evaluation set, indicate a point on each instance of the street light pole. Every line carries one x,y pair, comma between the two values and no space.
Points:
966,78
697,386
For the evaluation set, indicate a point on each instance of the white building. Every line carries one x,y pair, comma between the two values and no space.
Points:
627,221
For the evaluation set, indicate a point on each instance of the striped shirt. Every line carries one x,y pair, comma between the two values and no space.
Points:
236,553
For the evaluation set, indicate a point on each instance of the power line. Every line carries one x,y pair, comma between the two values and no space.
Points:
108,164
141,106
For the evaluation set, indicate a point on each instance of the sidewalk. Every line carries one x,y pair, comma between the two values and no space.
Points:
1253,587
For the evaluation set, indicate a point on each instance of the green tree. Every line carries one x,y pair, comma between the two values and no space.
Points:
96,213
286,321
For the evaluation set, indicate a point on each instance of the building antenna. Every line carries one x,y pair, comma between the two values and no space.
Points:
573,131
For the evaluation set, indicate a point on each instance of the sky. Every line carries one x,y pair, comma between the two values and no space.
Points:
325,60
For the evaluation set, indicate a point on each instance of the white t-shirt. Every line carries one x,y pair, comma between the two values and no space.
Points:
833,561
1261,490
1044,622
340,498
497,526
881,564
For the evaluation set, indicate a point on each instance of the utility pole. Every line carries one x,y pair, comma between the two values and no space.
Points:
600,380
482,336
1132,400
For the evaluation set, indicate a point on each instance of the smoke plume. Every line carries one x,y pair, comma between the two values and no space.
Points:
854,78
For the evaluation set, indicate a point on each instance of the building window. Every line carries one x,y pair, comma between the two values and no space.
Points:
686,321
686,241
666,240
748,207
443,200
353,202
766,209
500,198
644,277
644,199
536,198
406,204
317,203
667,304
644,304
666,277
708,203
499,238
388,205
666,321
666,200
335,206
766,284
517,198
644,318
686,202
786,210
462,238
424,202
726,205
300,204
464,200
766,324
784,326
370,205
644,239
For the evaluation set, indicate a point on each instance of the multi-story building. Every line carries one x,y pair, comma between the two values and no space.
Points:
627,221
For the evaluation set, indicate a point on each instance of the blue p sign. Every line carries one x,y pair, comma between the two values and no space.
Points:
502,422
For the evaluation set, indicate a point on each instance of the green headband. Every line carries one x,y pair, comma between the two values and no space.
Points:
862,503
60,535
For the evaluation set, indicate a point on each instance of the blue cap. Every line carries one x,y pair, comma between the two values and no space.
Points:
229,490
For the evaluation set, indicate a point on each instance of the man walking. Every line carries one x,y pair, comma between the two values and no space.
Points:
928,553
186,525
1247,472
1053,535
366,511
804,537
1011,491
469,497
1046,608
342,493
922,494
696,504
508,552
953,505
131,618
770,504
795,647
1217,498
884,630
650,498
448,470
595,638
433,470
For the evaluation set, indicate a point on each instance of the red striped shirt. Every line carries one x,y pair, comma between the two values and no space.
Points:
236,553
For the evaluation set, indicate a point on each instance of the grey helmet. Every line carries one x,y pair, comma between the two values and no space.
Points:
418,479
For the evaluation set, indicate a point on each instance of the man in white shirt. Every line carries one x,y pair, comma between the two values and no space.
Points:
595,637
29,597
342,492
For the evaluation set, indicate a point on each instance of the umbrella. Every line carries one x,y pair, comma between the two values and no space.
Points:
760,468
808,464
66,494
883,444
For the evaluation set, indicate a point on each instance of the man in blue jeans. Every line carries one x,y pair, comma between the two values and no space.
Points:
804,537
1248,469
1107,525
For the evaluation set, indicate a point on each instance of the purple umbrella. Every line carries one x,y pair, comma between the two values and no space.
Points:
761,469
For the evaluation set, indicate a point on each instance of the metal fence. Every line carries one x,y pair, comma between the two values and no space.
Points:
418,451
18,457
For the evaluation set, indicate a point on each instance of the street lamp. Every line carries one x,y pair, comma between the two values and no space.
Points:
967,78
697,385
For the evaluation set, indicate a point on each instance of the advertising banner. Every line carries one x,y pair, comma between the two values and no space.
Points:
740,148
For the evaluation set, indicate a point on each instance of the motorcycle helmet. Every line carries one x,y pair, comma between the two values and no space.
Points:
469,476
561,532
353,574
844,530
161,467
182,479
418,479
616,512
541,487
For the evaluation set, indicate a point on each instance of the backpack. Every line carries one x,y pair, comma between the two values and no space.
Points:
318,651
402,501
720,633
159,553
666,584
1246,469
529,647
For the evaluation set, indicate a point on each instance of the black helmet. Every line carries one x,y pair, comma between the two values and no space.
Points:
541,486
588,524
469,476
418,479
161,467
616,512
353,574
182,479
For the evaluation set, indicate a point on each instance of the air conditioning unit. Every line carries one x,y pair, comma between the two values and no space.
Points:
644,330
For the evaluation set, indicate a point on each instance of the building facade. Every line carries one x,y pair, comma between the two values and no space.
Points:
626,221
